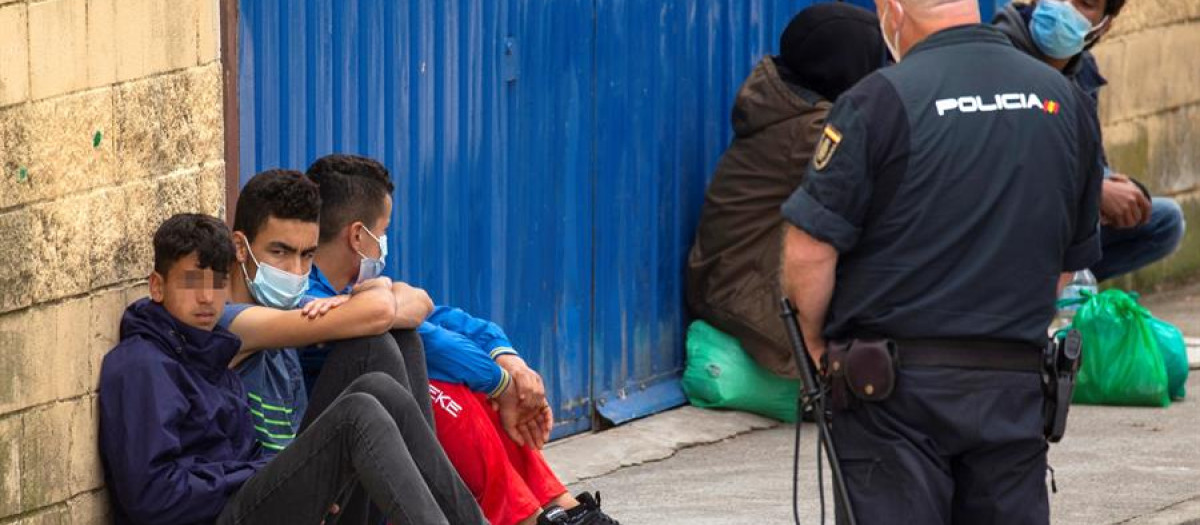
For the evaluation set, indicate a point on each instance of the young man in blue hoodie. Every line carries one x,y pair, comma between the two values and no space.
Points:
489,405
176,436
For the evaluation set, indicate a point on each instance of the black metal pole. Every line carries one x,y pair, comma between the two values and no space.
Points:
813,394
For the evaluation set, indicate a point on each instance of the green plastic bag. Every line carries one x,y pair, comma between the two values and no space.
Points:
1174,352
1122,364
720,374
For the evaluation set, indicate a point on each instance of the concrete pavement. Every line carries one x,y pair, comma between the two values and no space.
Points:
1115,465
692,466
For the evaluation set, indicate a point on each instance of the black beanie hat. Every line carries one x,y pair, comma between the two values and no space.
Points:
828,47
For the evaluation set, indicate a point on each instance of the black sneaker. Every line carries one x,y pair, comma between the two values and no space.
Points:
553,515
587,513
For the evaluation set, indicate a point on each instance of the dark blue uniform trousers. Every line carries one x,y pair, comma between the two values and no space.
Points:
951,446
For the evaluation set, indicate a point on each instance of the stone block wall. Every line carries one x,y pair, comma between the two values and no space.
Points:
1150,111
110,121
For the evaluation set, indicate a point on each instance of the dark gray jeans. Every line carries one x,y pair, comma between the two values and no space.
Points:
373,436
399,354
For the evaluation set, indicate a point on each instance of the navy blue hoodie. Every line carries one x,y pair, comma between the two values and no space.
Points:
176,437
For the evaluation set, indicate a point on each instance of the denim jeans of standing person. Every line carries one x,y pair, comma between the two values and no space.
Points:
927,454
373,435
1128,249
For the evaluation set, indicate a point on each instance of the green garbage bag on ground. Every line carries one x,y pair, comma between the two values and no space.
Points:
1174,352
1122,364
719,374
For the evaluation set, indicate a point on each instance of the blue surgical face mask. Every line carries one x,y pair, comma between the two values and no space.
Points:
274,287
369,267
1059,29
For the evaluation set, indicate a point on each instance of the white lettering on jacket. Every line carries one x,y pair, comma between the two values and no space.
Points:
998,102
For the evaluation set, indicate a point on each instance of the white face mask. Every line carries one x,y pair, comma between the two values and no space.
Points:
369,267
892,48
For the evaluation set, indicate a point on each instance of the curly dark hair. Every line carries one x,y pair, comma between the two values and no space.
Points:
353,188
283,194
184,233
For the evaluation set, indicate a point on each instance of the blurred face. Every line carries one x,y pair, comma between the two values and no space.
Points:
286,244
193,295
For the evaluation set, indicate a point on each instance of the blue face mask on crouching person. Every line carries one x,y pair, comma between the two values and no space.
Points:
1059,29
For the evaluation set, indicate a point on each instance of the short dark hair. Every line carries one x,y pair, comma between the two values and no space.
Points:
353,188
1113,7
282,194
185,233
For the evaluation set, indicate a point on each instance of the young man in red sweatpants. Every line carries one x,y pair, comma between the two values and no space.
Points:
490,409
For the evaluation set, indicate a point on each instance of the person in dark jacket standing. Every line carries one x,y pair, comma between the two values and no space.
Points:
947,195
733,267
177,441
1138,229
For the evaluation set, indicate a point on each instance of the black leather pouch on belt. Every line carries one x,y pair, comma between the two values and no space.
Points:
861,370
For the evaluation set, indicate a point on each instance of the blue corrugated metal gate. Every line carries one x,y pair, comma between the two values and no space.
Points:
490,150
550,158
666,75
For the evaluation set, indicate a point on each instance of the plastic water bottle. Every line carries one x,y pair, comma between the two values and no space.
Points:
1080,281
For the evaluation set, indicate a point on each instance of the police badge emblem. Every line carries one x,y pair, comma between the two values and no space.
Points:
830,138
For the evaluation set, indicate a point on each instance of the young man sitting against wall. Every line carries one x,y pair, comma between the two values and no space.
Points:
177,440
275,236
490,407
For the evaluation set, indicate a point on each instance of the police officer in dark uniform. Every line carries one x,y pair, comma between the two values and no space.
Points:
927,255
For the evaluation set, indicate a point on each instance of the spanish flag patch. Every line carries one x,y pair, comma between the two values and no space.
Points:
830,138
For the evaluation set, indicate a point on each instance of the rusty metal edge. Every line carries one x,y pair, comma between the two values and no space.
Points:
229,83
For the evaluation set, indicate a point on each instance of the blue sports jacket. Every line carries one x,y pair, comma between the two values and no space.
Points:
459,348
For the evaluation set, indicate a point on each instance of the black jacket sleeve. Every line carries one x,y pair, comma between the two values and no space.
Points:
1084,250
